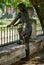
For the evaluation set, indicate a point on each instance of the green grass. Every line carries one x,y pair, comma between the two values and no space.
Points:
5,21
1,23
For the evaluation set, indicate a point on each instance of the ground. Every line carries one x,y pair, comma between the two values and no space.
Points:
37,60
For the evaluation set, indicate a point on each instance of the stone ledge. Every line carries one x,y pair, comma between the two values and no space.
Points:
11,53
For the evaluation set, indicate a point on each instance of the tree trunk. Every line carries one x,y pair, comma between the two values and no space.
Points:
39,6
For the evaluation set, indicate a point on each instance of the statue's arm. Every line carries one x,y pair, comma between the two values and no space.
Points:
15,20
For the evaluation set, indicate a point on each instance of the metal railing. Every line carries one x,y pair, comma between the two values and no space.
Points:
9,35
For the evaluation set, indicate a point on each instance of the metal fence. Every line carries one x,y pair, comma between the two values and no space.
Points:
9,35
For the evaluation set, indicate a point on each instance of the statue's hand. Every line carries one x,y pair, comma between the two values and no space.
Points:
8,25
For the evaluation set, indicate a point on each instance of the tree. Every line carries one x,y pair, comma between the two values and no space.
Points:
39,6
12,3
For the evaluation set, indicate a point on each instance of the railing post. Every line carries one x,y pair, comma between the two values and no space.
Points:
7,34
1,35
4,35
12,34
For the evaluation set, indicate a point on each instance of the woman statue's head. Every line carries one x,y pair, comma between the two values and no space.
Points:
21,7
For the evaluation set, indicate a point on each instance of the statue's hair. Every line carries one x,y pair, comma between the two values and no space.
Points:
22,5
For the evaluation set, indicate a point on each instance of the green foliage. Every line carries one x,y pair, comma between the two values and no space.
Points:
14,3
1,5
28,4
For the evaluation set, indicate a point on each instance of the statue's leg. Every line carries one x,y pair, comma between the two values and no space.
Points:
27,49
20,36
26,42
19,30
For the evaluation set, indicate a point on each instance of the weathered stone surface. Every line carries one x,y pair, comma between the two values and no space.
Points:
11,53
